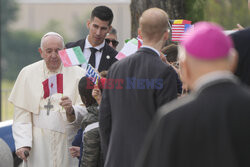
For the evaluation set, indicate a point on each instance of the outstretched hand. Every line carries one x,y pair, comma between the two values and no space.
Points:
239,27
66,103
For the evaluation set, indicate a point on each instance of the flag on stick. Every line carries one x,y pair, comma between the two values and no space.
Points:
92,74
179,28
129,48
72,56
52,85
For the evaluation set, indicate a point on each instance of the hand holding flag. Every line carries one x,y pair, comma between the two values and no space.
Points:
129,48
92,74
52,85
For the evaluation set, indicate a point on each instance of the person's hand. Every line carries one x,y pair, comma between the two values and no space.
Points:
20,153
74,151
163,58
66,103
96,93
239,27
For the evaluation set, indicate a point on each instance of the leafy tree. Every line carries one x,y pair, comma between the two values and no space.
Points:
194,10
9,9
53,25
21,49
176,9
18,48
80,26
227,12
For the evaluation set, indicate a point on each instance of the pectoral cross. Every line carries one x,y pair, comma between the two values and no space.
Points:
48,106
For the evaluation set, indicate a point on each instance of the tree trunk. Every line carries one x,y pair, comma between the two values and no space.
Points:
174,8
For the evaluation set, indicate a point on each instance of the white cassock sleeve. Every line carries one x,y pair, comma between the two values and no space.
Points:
22,128
80,112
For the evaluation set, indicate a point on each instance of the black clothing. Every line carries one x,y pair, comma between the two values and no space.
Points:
127,108
108,54
242,45
92,57
209,128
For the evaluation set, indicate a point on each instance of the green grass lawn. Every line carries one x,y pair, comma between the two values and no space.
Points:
7,109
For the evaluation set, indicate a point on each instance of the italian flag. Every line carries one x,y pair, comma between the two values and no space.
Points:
128,49
72,56
52,85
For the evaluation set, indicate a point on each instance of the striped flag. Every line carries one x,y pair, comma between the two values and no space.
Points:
129,48
52,85
179,28
92,74
72,56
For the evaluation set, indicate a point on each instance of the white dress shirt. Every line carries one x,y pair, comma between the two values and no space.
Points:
87,53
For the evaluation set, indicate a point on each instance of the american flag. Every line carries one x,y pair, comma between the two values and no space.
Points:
179,27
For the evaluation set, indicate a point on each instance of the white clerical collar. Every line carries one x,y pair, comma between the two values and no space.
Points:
88,45
213,76
149,47
48,72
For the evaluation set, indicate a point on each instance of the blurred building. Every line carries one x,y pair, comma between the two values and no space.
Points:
67,15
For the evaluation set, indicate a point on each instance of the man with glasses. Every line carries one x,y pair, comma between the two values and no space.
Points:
98,53
111,38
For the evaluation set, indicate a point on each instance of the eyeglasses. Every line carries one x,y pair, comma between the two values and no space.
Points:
114,42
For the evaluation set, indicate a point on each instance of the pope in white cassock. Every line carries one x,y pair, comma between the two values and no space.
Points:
40,125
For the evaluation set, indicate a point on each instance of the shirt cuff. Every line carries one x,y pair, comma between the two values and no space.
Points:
80,112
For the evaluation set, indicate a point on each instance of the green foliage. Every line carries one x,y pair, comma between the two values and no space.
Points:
54,25
194,10
20,49
228,12
7,108
224,12
80,26
9,9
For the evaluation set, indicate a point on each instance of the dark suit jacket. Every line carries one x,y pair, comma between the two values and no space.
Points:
241,42
105,62
210,128
127,109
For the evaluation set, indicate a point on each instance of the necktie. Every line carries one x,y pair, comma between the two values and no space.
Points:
92,56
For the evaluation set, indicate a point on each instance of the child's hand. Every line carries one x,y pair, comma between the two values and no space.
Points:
96,93
74,151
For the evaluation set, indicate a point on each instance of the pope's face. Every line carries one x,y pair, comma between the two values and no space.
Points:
49,52
98,30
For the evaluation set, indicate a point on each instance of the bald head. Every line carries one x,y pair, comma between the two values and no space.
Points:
205,49
153,23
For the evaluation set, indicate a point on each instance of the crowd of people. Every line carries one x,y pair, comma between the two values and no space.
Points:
185,104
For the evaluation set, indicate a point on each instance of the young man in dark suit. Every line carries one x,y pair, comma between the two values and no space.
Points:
211,126
136,87
98,53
